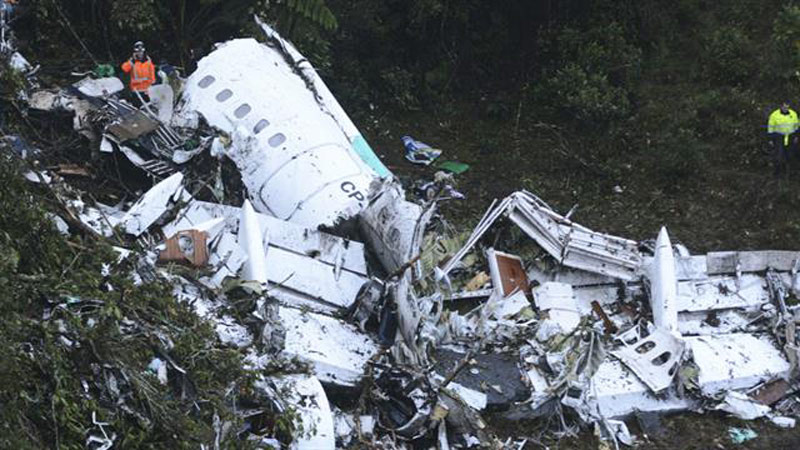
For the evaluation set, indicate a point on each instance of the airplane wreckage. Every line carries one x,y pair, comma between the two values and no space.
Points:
368,289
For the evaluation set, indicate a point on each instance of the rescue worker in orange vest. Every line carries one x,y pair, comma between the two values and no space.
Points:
141,70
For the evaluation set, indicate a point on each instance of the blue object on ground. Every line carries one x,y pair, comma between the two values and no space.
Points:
419,152
741,435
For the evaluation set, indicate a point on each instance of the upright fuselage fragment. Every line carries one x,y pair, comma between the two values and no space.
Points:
300,156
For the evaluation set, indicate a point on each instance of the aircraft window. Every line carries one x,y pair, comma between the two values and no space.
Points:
207,81
224,95
242,110
263,123
277,139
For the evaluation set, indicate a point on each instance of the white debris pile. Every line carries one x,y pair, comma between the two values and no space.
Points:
414,343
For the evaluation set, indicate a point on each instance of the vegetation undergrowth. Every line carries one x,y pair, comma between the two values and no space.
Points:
78,336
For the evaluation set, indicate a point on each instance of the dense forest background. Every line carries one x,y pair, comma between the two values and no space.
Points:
574,99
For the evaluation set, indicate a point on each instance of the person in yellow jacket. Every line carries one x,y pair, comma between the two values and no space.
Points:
141,69
782,131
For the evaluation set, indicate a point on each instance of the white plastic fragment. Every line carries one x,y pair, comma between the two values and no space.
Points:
232,333
783,421
548,328
367,424
510,306
337,351
37,177
59,223
742,406
105,145
664,285
620,431
306,395
615,392
558,301
101,218
735,361
252,242
99,87
159,367
475,399
153,204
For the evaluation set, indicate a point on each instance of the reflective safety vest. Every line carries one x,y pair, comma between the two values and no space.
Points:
784,124
143,74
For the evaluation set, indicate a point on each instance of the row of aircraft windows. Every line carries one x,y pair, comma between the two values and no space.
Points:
242,111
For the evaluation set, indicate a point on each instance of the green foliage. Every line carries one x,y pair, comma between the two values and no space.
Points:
11,82
134,17
77,343
786,34
727,55
585,96
315,11
401,87
591,76
677,157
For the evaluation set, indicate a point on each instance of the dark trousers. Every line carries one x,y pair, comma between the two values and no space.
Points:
134,99
783,153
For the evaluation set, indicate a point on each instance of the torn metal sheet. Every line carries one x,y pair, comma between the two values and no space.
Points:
102,219
394,229
131,126
296,279
722,292
615,391
393,226
742,406
232,333
18,62
751,261
153,204
47,100
508,274
508,307
326,248
654,358
735,361
296,158
558,301
664,285
704,323
569,243
337,351
306,395
99,87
